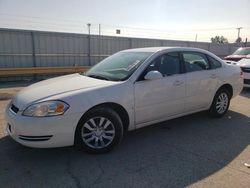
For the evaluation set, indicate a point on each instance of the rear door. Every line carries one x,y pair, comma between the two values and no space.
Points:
201,81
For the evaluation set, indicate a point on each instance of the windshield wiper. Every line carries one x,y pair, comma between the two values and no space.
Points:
97,76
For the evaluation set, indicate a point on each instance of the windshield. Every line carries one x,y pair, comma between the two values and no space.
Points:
242,51
119,66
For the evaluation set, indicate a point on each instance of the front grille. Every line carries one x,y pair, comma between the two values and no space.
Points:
14,108
247,81
246,69
35,138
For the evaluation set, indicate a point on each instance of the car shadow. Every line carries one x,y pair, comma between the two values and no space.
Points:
245,92
174,153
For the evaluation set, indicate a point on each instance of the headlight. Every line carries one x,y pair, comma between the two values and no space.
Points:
48,108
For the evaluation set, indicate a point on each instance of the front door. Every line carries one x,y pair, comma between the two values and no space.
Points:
161,98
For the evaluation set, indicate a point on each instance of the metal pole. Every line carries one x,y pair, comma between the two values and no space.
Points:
33,49
88,24
89,57
130,42
99,46
33,53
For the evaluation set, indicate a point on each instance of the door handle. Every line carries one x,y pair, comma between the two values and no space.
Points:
213,76
178,82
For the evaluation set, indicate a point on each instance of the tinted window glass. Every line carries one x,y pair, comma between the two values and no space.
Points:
195,61
167,64
214,63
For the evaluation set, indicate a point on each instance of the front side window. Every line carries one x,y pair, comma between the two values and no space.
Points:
119,66
195,61
167,64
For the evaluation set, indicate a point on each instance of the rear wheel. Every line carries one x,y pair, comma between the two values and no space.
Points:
220,103
99,130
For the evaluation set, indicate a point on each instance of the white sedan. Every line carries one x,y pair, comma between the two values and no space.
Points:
126,91
244,63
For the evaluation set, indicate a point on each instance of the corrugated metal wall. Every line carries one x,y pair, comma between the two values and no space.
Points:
15,49
56,49
21,48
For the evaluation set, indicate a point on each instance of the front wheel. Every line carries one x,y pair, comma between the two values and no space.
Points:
99,130
220,103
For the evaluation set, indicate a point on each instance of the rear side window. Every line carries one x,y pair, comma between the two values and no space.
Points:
214,63
195,61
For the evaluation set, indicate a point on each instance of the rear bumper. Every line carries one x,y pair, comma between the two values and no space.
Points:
43,132
246,77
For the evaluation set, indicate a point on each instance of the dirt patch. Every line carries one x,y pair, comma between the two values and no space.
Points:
5,96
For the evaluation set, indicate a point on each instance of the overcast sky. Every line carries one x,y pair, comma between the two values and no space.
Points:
180,19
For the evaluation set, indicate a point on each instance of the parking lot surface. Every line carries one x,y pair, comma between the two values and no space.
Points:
194,151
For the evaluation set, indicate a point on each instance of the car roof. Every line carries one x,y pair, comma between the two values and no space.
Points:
172,49
156,49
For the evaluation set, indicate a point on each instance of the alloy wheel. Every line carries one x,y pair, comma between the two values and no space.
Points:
222,103
98,132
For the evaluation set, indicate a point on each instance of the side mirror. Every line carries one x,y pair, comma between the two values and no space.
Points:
153,75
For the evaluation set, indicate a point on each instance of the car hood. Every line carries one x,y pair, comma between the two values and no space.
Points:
55,86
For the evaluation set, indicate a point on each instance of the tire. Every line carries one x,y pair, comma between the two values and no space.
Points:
99,130
220,103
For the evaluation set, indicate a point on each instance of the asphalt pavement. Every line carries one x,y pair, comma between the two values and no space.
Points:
194,151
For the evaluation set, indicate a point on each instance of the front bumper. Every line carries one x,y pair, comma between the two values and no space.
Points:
42,132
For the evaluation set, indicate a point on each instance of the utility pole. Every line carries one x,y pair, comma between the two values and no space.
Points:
239,28
196,37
